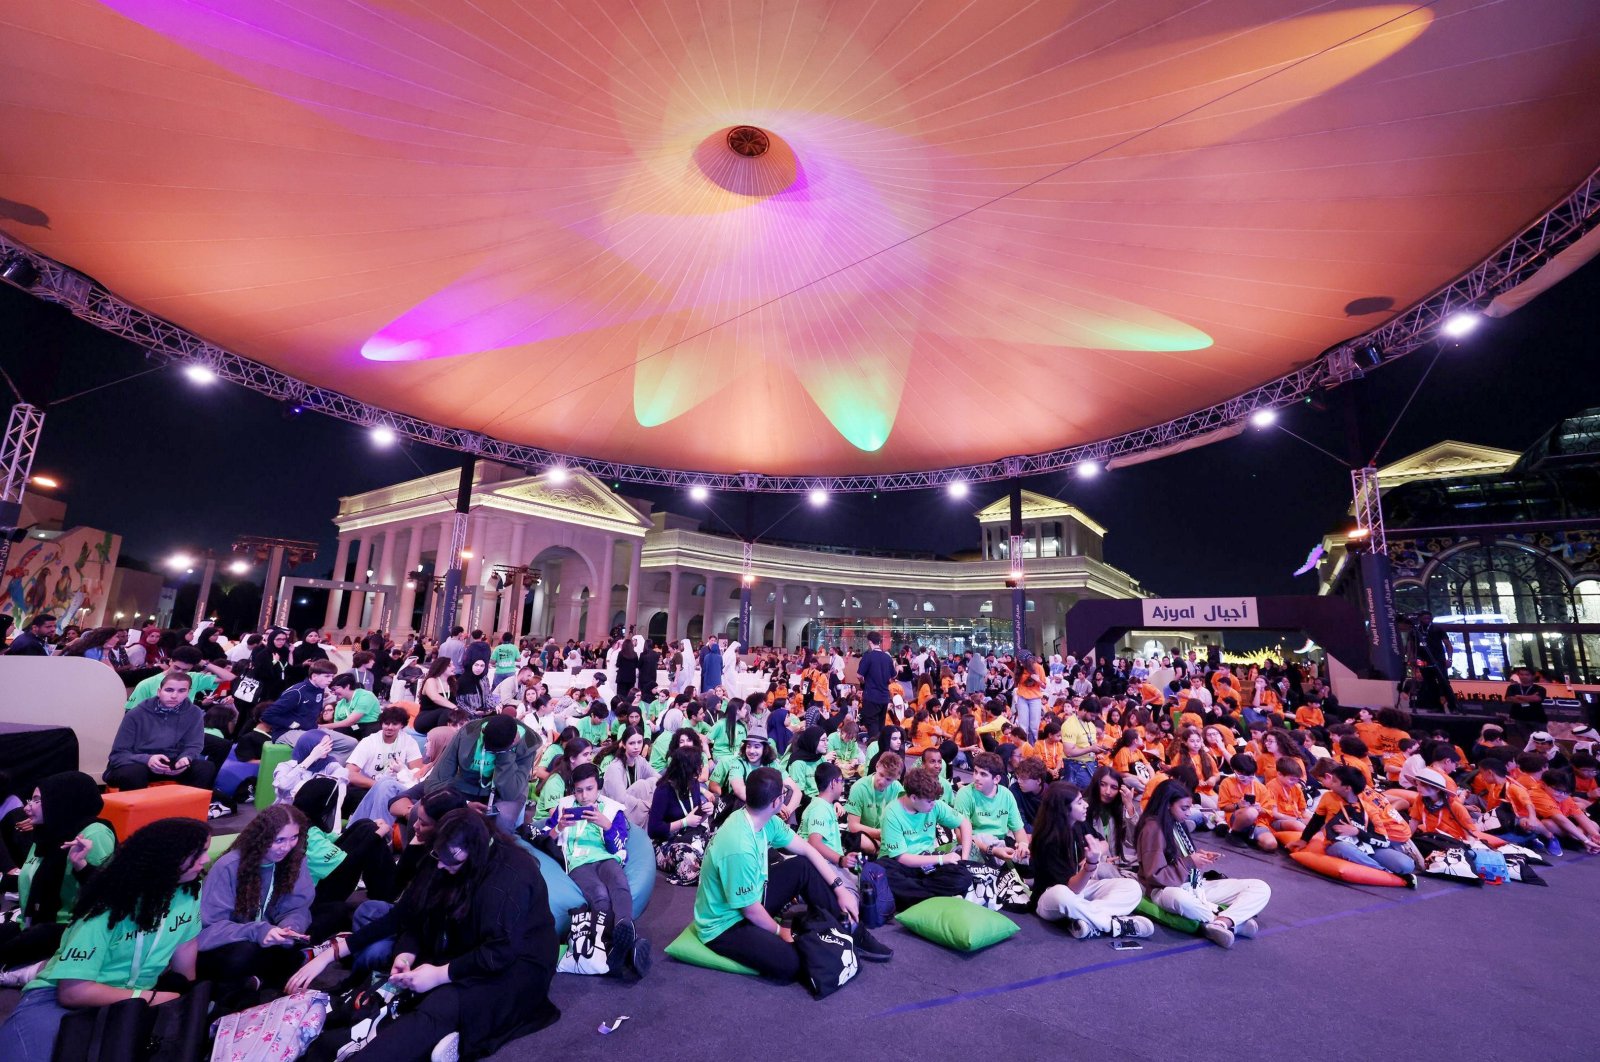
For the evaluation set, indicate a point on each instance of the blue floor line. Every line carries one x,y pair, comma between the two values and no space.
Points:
1130,960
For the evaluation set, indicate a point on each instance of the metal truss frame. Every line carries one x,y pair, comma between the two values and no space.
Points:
1416,327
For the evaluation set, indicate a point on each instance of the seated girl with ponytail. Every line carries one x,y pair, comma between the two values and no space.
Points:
1074,876
1170,867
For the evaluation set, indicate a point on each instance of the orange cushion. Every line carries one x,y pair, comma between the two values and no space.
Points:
130,809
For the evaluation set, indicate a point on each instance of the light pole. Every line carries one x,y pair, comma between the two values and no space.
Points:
183,562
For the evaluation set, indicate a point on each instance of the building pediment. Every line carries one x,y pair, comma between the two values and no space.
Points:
579,499
1448,459
1037,507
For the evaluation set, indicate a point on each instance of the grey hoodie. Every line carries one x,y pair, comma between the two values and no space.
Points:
217,924
146,731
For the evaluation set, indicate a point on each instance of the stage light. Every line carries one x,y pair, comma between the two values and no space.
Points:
557,474
817,497
1264,418
239,567
383,435
199,374
466,554
1088,469
180,560
699,492
748,580
47,482
369,573
958,488
1460,324
19,270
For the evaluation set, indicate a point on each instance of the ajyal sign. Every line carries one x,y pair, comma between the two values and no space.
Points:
1201,611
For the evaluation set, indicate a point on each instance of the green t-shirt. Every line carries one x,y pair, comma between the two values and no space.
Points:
200,684
659,749
583,842
844,751
731,768
122,956
994,816
720,749
504,659
803,773
555,787
822,818
102,842
733,874
363,704
907,832
867,801
593,730
322,854
548,756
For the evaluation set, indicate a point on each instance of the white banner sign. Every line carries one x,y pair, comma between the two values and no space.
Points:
1201,612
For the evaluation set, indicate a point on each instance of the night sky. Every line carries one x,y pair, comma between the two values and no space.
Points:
172,465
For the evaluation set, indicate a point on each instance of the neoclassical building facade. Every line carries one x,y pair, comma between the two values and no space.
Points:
572,559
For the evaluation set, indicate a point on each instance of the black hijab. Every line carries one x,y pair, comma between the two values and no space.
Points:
71,803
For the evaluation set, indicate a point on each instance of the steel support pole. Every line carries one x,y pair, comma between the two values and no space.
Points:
458,542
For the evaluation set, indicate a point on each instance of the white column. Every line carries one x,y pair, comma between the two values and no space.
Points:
380,566
513,623
600,599
674,632
358,599
472,570
408,593
336,597
1072,537
630,612
777,617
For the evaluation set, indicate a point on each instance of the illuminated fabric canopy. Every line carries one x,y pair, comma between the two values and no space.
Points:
794,237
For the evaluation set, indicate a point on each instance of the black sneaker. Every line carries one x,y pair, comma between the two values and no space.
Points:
869,947
623,937
639,957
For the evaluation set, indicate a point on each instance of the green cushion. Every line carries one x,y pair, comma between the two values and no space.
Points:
688,948
1167,918
272,754
957,923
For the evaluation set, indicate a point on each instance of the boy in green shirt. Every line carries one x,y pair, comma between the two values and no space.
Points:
356,708
202,683
504,659
869,797
915,869
820,823
739,898
998,832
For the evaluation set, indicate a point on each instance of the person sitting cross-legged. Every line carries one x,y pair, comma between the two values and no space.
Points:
161,739
739,896
1074,877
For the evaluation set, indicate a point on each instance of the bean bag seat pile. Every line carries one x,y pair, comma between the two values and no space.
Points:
957,923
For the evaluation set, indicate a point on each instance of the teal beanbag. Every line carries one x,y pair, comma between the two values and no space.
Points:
640,869
957,923
687,947
564,894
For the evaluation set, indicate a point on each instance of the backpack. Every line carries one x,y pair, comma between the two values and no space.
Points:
877,900
827,954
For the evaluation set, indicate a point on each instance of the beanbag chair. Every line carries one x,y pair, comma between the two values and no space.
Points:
957,924
640,869
1167,918
564,894
687,948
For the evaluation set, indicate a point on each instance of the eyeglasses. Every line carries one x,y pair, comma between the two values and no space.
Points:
446,859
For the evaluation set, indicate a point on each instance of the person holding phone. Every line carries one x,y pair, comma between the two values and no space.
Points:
255,907
161,739
592,831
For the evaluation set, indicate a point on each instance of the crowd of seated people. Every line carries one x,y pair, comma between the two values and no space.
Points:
419,786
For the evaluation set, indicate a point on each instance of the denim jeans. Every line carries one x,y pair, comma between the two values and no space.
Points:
1029,710
376,956
29,1035
1391,859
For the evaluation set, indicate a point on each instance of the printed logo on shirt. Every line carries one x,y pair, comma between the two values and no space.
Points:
77,954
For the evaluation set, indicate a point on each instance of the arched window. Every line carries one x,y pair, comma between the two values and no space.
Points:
1499,583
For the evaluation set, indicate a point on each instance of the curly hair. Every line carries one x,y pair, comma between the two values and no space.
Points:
252,844
139,882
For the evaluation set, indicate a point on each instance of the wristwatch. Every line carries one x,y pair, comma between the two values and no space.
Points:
838,882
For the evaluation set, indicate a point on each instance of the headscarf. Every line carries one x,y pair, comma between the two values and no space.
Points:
150,638
70,802
303,747
317,800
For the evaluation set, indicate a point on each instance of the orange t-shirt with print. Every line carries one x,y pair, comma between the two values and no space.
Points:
1231,793
1308,717
1288,797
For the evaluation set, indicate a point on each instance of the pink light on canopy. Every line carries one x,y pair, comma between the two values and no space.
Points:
953,232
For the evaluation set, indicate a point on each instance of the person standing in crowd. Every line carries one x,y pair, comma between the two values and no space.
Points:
161,739
270,664
134,928
1434,653
454,648
649,664
876,670
32,641
1526,699
710,665
740,895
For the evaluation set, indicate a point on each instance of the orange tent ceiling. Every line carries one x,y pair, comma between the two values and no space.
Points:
976,230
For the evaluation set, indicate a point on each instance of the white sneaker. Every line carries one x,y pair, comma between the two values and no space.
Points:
448,1049
18,976
1081,929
